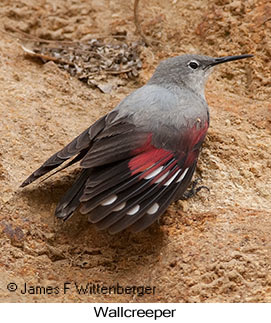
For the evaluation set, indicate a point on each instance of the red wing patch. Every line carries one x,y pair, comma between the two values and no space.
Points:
197,136
145,160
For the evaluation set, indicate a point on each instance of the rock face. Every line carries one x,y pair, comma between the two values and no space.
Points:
215,247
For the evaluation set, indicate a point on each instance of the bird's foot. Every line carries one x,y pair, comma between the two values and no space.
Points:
194,189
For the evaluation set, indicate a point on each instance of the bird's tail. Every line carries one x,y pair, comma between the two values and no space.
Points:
71,200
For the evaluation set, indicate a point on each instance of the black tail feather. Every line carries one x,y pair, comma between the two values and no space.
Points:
71,200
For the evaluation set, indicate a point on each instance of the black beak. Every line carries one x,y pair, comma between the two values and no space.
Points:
226,59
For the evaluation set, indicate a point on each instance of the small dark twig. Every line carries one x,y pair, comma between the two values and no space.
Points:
266,20
137,24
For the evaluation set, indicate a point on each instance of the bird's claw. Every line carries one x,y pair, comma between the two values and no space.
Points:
194,189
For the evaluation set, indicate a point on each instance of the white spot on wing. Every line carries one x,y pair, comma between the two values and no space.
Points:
154,173
133,210
111,199
119,207
160,179
183,175
153,209
172,178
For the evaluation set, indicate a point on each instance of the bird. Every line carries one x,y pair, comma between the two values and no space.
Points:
140,157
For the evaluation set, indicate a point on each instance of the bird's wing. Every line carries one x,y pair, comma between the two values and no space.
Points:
134,180
77,147
107,140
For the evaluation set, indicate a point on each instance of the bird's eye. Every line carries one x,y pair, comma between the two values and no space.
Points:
193,64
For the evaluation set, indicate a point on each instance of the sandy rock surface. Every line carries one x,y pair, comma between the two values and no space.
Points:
215,247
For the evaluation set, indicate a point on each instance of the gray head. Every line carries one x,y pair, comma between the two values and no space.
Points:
189,71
